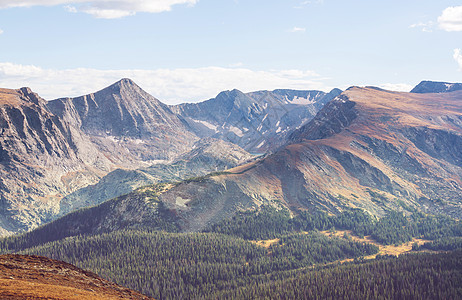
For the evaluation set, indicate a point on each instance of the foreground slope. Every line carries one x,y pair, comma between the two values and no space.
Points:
37,277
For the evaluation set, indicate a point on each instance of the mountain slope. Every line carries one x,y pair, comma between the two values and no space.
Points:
208,155
49,150
36,277
41,158
257,121
436,87
368,148
126,123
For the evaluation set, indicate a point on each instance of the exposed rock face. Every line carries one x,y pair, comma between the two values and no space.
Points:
368,148
37,277
127,123
258,121
41,158
208,155
436,87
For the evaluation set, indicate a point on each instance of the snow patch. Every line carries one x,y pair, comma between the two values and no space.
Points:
207,124
301,101
236,131
261,144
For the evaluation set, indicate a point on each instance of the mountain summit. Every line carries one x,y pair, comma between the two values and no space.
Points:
121,109
436,87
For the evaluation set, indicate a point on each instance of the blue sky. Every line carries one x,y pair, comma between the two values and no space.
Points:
189,50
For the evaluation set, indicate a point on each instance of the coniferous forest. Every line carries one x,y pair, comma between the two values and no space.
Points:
268,254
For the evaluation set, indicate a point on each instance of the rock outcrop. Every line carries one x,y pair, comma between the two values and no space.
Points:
436,87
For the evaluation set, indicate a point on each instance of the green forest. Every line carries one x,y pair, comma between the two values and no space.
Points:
226,262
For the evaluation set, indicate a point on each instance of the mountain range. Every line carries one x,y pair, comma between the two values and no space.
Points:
373,174
52,154
368,148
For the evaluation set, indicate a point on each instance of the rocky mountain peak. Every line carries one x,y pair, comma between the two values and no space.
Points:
427,86
28,95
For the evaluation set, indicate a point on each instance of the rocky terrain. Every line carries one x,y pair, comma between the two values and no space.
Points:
368,148
436,87
208,155
53,154
36,277
259,121
51,149
42,157
127,124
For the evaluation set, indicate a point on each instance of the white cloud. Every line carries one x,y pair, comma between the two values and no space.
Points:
458,57
168,85
398,87
107,9
426,26
297,29
451,19
1,31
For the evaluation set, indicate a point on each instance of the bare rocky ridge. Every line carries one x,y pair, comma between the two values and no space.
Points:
42,157
127,124
368,148
36,277
436,87
259,121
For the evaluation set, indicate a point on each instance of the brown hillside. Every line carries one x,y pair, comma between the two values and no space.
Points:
36,277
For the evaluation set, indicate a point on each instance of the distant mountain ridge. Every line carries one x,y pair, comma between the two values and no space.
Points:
257,121
436,87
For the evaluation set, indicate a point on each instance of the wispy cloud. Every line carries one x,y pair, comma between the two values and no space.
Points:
451,19
298,29
169,85
458,57
1,31
425,26
106,9
398,87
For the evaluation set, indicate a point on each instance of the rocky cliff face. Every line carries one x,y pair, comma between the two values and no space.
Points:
127,124
436,87
41,158
258,121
